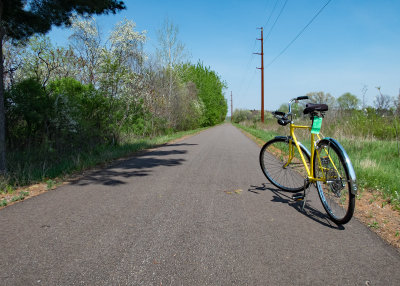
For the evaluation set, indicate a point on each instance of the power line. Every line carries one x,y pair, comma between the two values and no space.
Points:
270,15
244,78
251,80
298,35
276,20
251,58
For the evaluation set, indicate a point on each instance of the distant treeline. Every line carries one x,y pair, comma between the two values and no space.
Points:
347,115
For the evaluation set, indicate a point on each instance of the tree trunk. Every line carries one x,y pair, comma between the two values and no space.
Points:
3,169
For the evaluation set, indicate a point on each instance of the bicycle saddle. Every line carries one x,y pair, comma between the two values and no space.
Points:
311,107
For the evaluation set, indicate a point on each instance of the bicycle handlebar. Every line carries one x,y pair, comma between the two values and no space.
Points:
284,116
295,99
298,98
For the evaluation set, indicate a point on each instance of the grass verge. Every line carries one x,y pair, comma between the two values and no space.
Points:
43,166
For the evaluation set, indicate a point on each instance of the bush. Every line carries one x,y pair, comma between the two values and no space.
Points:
81,113
64,115
240,115
28,113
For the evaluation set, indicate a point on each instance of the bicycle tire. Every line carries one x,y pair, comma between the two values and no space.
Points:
273,157
335,191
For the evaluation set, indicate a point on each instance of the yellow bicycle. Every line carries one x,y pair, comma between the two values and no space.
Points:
290,166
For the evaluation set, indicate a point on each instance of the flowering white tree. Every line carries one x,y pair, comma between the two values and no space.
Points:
86,41
121,76
122,61
127,44
45,62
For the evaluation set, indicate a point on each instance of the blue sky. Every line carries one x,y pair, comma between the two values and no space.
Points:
351,44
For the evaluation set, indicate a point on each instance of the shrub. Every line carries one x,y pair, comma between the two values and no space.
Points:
28,113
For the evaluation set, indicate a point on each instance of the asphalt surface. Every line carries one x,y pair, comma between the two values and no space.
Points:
195,212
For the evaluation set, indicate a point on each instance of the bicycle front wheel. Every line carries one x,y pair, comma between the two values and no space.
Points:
281,163
334,189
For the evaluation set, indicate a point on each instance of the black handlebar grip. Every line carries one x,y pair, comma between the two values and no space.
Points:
302,97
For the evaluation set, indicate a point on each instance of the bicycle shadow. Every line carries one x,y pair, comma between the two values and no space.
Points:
280,196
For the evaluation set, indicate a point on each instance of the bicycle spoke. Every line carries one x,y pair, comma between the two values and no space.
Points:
334,189
284,171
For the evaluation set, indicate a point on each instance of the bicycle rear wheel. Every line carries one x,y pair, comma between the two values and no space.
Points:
335,189
274,158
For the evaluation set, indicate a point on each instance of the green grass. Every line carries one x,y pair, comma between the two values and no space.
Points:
376,163
377,166
25,168
264,135
374,224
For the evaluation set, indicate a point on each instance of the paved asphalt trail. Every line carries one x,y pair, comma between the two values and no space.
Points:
170,216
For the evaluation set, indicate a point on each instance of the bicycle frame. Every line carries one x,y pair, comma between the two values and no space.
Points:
309,168
293,140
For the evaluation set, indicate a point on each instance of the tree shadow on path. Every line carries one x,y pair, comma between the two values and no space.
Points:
139,165
280,196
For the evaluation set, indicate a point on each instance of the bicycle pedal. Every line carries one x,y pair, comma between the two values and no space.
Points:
298,197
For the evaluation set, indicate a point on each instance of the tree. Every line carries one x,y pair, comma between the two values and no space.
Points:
398,104
13,59
44,62
240,115
348,101
210,91
120,66
86,42
321,97
171,51
383,102
20,19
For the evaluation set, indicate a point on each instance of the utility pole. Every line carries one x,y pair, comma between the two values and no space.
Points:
231,108
262,74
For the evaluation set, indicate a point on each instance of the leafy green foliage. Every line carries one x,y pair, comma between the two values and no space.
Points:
64,113
348,101
210,90
28,110
21,19
240,115
81,112
50,184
